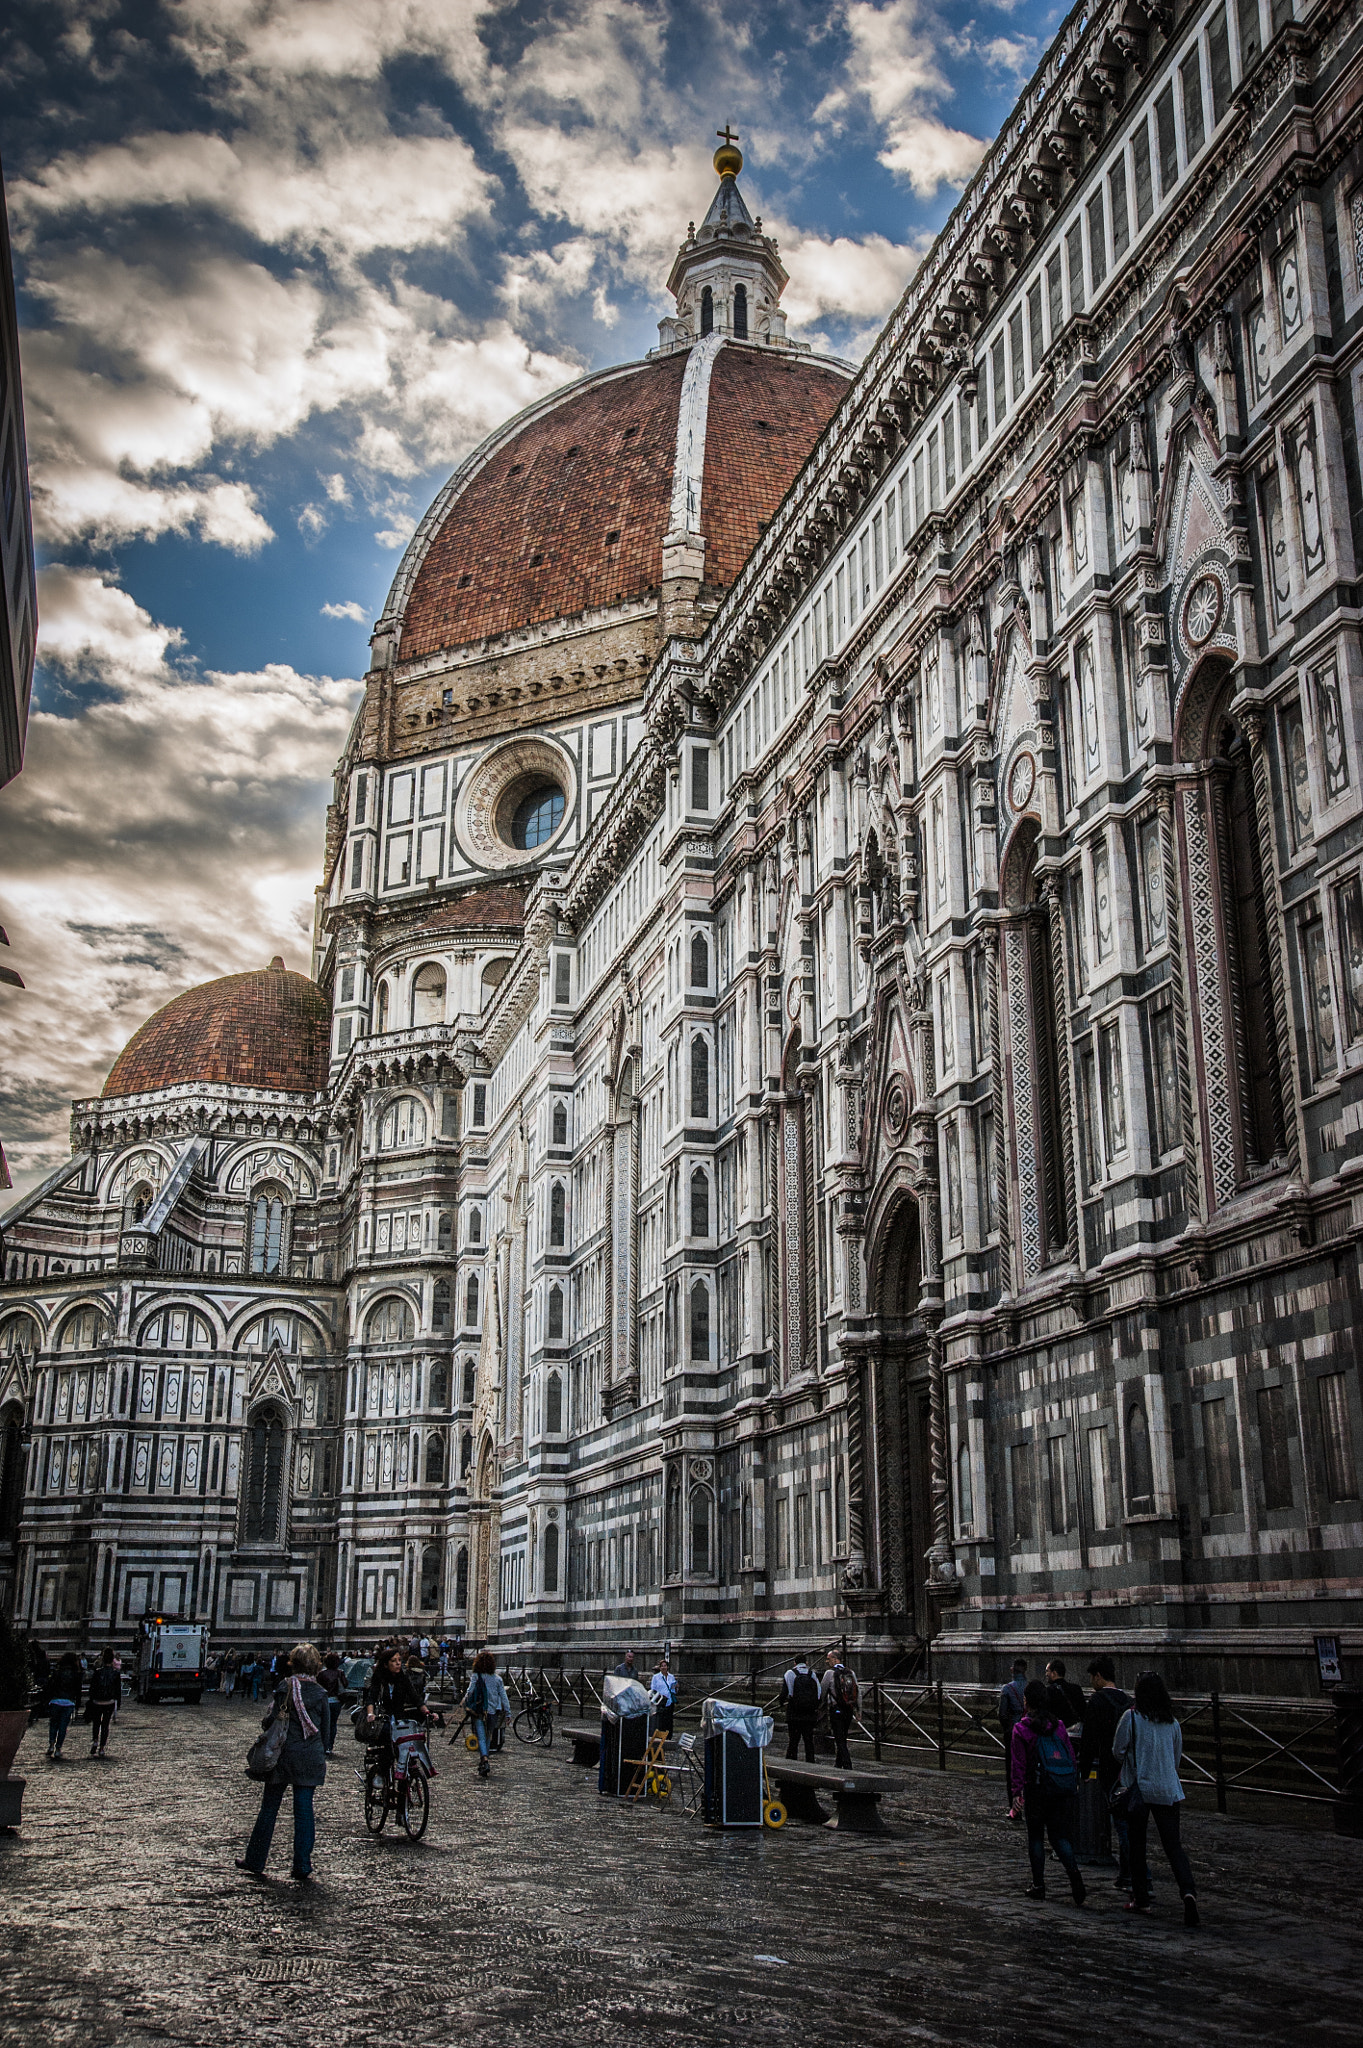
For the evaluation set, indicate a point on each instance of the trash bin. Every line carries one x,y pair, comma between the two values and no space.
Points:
735,1737
624,1734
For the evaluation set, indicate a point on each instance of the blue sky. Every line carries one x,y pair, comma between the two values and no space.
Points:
281,264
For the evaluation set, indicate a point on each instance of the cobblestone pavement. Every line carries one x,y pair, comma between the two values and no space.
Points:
536,1911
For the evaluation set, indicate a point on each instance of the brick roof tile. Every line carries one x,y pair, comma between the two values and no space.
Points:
267,1029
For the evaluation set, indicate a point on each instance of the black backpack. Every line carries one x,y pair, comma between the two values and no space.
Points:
804,1697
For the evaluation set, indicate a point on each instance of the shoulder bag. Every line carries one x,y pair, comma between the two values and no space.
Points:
268,1746
1128,1800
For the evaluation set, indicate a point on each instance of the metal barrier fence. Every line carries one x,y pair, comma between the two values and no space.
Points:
1271,1748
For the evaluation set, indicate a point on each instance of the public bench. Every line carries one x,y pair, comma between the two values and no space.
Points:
585,1737
856,1794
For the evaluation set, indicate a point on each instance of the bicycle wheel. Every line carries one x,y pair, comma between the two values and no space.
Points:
375,1800
547,1729
416,1808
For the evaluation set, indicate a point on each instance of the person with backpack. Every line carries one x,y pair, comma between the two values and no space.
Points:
1043,1779
1149,1747
802,1709
105,1687
487,1705
63,1698
840,1692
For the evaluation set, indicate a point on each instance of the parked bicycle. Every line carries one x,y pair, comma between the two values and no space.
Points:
535,1721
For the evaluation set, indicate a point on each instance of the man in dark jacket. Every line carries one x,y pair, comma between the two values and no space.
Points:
1103,1709
105,1688
1067,1699
802,1708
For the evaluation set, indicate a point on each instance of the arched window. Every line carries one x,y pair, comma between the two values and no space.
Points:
672,1531
558,1221
494,974
11,1471
465,1454
475,1226
383,1007
267,1230
537,817
444,1234
461,1579
700,1203
553,1405
555,1323
391,1322
700,1529
428,995
965,1504
700,1077
136,1203
440,1312
700,961
83,1330
1254,1041
740,312
700,1320
19,1333
471,1303
430,1578
1027,950
468,1382
265,1475
123,1393
439,1392
551,1558
1140,1477
403,1124
707,311
560,1124
435,1458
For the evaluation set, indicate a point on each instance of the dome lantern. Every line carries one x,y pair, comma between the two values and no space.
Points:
727,278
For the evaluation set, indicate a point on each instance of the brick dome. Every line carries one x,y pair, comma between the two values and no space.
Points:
267,1029
564,510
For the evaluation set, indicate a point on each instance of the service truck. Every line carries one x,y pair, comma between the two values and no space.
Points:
172,1658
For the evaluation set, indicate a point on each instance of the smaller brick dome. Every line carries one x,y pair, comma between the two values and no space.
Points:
267,1029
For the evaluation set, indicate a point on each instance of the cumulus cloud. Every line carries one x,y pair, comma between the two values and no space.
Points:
169,833
894,70
348,609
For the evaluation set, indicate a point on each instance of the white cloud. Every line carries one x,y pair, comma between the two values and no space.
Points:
169,834
348,609
893,69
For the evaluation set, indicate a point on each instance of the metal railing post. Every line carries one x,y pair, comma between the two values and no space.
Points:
1218,1758
941,1729
875,1716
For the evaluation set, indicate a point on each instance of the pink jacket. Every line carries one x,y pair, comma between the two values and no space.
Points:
1025,1733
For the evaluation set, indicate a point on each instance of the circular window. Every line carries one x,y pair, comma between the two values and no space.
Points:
537,817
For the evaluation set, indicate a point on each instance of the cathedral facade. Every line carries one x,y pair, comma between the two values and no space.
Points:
830,1095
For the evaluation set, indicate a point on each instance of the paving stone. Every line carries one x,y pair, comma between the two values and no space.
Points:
536,1911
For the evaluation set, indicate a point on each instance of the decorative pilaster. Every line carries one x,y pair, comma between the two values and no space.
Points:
1173,910
1060,985
999,1163
1252,723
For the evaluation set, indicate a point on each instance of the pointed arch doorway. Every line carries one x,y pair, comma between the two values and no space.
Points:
896,1456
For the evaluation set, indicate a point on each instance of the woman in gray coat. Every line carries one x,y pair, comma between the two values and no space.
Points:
302,1764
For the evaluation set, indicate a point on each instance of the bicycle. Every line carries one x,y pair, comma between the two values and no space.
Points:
410,1801
535,1722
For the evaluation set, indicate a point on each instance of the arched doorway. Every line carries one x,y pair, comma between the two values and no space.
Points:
897,1479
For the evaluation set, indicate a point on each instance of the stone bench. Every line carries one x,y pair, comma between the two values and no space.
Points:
585,1737
856,1794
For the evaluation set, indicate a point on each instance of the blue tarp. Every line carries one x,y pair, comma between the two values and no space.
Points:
755,1727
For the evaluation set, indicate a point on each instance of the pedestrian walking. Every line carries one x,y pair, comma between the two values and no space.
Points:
1043,1779
227,1683
302,1764
802,1709
105,1688
663,1687
488,1704
839,1691
331,1682
1067,1698
1103,1709
1149,1746
625,1668
63,1698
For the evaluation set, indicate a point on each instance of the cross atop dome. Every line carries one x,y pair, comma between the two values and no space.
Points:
728,276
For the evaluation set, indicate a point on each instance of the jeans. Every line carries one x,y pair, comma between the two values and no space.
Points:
58,1721
304,1828
1049,1813
796,1731
840,1721
1166,1824
101,1714
480,1730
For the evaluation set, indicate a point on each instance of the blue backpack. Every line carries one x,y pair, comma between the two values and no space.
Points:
1055,1766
